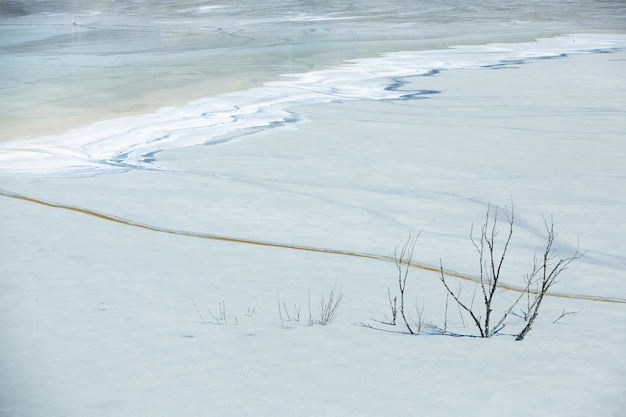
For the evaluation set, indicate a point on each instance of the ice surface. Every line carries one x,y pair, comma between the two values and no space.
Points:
67,63
133,142
117,238
98,316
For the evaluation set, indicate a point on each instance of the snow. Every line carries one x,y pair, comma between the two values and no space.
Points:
99,317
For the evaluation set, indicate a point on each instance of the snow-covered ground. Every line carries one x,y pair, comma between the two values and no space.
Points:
167,260
111,318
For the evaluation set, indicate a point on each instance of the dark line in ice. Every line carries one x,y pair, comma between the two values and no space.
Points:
418,95
430,73
149,157
398,83
230,239
292,118
559,56
509,64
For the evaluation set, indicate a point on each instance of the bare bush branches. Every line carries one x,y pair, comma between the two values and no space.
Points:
285,314
393,305
418,318
221,316
546,270
491,263
198,311
329,308
402,256
566,313
492,252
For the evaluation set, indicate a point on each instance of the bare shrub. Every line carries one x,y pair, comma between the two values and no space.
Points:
393,305
198,311
286,314
566,313
418,318
402,256
329,307
492,252
221,317
546,269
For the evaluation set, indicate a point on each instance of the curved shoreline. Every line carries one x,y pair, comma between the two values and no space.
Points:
81,65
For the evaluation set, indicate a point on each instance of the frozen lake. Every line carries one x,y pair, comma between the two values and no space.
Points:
164,162
66,63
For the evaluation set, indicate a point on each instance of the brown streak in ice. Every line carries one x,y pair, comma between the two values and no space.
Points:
290,246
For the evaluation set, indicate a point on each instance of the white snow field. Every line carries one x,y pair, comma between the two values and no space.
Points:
166,264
